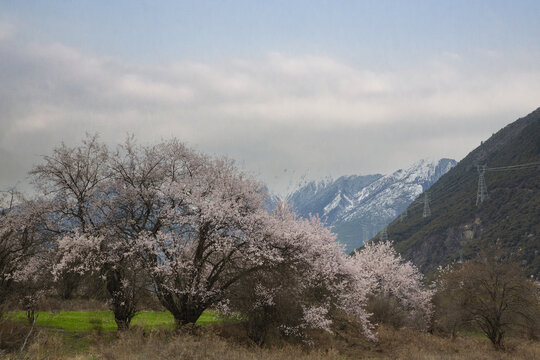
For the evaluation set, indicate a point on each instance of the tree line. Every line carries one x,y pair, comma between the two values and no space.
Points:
193,232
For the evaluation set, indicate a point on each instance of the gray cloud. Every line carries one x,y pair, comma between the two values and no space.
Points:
313,115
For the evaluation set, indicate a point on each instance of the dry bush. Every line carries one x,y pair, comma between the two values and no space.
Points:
262,319
12,335
45,346
149,302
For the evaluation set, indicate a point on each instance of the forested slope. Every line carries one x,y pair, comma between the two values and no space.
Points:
509,216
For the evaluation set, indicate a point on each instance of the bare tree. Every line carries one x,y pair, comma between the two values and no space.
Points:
492,294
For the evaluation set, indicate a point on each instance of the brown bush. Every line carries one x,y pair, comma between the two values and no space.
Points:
12,335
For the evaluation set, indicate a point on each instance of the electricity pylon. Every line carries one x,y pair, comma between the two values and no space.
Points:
427,210
384,234
482,188
403,216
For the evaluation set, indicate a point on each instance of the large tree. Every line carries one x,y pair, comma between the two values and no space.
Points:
491,293
213,233
101,201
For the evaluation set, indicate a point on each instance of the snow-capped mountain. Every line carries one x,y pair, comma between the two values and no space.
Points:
358,207
326,197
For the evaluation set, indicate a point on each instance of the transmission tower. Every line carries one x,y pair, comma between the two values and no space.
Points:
427,210
482,188
403,216
384,234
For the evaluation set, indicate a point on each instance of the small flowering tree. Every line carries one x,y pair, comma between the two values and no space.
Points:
24,249
393,277
305,287
312,280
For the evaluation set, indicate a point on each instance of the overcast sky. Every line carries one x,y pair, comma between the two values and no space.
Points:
287,88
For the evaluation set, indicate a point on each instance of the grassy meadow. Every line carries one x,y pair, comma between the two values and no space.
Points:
103,320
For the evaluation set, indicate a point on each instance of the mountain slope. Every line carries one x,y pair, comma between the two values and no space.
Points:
359,206
508,217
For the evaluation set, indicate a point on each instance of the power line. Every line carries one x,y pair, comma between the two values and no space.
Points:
515,167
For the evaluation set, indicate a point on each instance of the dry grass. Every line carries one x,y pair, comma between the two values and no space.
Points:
139,344
12,335
160,345
207,344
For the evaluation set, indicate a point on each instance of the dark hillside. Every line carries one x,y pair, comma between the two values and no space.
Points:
509,216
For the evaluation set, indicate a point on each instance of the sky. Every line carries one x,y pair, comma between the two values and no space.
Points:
291,90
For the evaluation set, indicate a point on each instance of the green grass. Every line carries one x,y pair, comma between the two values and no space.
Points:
83,321
473,334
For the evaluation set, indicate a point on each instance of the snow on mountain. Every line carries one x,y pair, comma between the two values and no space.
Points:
358,207
328,197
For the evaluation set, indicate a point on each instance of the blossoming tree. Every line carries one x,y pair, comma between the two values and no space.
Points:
23,247
392,276
212,235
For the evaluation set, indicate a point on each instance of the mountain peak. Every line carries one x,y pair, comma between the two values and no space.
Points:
360,206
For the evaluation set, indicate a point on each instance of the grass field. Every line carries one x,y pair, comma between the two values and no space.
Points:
82,321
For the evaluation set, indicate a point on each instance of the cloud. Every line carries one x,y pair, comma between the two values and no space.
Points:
7,30
310,114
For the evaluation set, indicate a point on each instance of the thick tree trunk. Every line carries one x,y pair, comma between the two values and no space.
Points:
122,316
187,316
123,304
121,323
184,309
68,285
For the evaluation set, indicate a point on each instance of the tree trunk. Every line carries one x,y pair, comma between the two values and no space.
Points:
187,316
122,323
184,309
123,304
68,285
